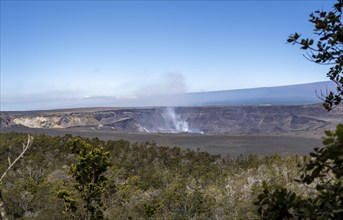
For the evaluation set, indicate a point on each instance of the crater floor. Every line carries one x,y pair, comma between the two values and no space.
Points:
218,130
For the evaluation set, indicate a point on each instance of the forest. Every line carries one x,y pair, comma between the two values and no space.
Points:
144,181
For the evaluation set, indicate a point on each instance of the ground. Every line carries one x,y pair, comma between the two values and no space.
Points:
225,130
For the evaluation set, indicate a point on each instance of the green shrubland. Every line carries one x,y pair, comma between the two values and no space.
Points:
140,180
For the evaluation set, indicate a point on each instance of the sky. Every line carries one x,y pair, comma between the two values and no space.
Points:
58,54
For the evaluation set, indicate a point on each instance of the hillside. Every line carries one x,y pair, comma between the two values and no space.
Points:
210,119
301,94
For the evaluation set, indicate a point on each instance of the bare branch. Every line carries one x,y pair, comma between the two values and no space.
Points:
25,147
321,96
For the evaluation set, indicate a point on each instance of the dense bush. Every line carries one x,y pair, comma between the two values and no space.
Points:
322,172
145,181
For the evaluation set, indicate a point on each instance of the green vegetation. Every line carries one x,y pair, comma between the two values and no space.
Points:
26,146
145,181
322,171
327,50
92,163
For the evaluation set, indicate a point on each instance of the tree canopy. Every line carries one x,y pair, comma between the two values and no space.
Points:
322,170
326,48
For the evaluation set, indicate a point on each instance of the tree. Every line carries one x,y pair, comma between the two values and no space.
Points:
26,146
88,171
327,50
323,170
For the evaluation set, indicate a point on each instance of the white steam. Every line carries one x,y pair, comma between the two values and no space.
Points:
174,123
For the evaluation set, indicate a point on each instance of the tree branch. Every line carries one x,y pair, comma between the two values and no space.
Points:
3,214
25,147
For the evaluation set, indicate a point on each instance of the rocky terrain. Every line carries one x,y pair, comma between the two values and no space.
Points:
222,130
213,120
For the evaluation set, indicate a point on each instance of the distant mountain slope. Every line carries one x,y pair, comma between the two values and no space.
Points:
301,94
281,95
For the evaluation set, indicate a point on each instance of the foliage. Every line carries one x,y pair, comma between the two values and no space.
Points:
145,181
26,146
323,171
92,163
328,49
70,204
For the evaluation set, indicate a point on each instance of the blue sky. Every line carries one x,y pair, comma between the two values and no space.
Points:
55,51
